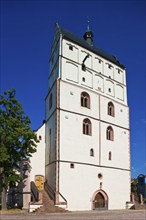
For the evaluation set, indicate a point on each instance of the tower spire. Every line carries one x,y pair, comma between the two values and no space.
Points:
88,36
88,21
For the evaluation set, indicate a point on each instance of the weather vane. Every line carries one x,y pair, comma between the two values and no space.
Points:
88,21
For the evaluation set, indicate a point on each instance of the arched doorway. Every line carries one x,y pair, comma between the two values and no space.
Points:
100,200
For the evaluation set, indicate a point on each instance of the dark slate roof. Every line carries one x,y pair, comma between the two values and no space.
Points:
80,41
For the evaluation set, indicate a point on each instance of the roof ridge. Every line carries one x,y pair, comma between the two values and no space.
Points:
77,39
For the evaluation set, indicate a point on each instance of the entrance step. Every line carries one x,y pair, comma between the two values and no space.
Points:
48,205
140,207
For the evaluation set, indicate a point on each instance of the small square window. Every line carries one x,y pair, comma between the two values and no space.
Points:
99,61
119,71
109,89
109,66
83,79
70,47
40,137
72,165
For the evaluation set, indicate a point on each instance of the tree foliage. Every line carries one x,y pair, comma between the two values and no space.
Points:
17,140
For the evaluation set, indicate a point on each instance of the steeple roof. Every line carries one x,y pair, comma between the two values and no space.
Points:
88,36
91,47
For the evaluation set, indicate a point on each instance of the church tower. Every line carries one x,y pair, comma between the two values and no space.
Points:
87,164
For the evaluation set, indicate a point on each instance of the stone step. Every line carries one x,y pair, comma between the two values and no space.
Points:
140,207
48,205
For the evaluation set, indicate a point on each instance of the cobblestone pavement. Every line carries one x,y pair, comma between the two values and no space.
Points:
91,215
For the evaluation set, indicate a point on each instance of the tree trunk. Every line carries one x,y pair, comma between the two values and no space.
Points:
3,194
3,198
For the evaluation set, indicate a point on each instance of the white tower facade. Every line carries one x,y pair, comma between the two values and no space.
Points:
87,164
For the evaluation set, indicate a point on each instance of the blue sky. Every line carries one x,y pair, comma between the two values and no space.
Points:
119,27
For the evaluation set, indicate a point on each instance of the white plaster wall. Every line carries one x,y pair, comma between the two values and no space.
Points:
78,54
79,191
121,93
50,151
48,111
109,88
50,175
79,184
109,72
71,71
98,64
74,145
37,161
70,100
50,136
71,121
51,139
54,74
71,54
119,75
82,54
121,113
119,147
86,78
98,83
54,56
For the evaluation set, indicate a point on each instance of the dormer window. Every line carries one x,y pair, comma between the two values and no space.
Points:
109,66
70,47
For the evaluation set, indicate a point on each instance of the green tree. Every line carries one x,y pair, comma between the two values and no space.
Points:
17,141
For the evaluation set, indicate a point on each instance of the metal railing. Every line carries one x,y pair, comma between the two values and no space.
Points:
34,192
50,191
52,194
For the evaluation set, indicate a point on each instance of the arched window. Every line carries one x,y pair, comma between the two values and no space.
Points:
87,126
110,155
109,133
85,100
50,101
91,152
111,109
